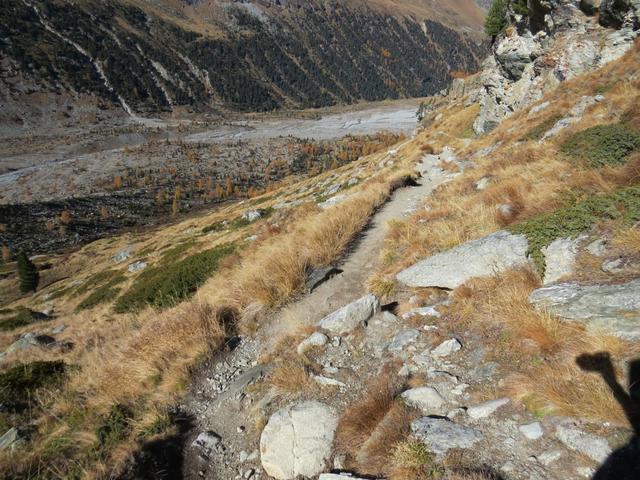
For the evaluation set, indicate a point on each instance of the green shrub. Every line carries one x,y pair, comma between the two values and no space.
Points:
95,280
537,132
19,383
603,144
496,20
165,286
103,294
520,7
23,317
27,274
572,220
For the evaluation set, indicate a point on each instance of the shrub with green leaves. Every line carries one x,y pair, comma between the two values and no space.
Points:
113,428
22,318
572,220
165,286
603,144
496,20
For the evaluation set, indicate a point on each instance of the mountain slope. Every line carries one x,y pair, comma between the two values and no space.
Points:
207,57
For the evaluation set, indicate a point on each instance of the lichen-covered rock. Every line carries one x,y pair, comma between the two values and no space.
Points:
297,440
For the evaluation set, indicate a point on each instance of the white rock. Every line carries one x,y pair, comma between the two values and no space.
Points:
477,258
297,440
422,311
549,456
560,258
532,431
252,215
594,447
483,183
327,381
137,266
446,348
597,247
350,316
427,399
207,440
316,339
485,409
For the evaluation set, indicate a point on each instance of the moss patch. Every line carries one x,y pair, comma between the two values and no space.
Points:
603,144
165,286
572,220
103,294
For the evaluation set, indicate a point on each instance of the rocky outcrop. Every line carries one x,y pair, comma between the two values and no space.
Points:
556,42
477,258
297,440
612,307
440,435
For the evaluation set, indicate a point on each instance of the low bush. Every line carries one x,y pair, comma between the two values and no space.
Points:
102,294
603,144
19,384
166,286
113,428
537,132
570,221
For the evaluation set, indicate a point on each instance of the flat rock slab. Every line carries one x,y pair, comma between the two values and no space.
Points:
440,435
485,409
594,447
297,440
613,307
350,316
477,258
560,258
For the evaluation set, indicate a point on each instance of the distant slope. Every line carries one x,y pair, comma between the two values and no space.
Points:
149,57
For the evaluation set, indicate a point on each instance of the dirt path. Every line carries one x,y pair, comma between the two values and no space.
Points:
362,261
218,402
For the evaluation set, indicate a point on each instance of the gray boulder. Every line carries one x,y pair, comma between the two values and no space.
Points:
137,266
207,441
427,399
612,307
594,447
297,440
350,316
31,339
251,215
514,53
122,255
477,258
14,437
446,348
402,339
440,435
316,339
319,275
532,431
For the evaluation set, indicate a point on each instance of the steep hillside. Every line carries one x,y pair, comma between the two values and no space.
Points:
60,57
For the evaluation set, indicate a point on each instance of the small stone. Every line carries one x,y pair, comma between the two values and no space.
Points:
613,266
340,461
243,456
251,215
241,429
598,247
532,431
427,399
483,183
446,348
249,473
316,339
483,410
549,456
327,381
137,266
422,311
207,440
402,339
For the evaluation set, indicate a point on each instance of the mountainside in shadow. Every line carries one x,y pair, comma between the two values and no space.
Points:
59,56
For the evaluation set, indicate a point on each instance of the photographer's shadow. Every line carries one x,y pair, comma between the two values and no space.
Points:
624,463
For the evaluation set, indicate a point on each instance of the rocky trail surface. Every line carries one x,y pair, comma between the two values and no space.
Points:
354,339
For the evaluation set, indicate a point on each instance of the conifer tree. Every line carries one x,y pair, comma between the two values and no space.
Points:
27,274
496,20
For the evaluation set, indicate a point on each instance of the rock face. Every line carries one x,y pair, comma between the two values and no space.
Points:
350,316
297,440
555,43
440,435
613,307
446,348
477,258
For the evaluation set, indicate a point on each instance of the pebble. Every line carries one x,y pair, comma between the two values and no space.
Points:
446,348
532,431
485,409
